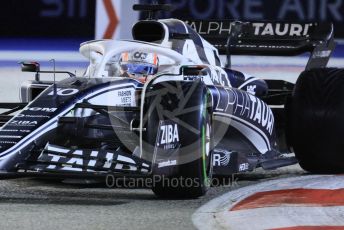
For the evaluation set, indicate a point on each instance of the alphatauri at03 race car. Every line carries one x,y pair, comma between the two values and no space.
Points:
182,116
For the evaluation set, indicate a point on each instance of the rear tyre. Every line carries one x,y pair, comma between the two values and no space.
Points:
316,120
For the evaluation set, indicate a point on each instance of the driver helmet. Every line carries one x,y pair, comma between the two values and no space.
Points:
139,64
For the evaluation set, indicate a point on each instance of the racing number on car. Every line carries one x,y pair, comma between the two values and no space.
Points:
64,92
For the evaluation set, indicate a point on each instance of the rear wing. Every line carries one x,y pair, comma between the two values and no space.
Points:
269,38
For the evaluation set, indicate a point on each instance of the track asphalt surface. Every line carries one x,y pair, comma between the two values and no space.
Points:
30,203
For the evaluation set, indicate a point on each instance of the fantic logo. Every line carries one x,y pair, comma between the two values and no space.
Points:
169,136
281,29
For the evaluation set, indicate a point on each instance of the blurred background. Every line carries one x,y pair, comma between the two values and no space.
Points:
42,30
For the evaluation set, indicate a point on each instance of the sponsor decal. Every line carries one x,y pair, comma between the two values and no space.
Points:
221,157
140,56
64,92
36,109
118,97
251,89
243,167
219,79
256,10
100,159
31,116
8,142
281,29
126,97
248,107
217,76
264,46
321,54
15,130
168,135
23,123
122,166
167,163
211,27
191,77
9,136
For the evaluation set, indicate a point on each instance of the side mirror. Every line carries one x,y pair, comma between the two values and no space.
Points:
30,67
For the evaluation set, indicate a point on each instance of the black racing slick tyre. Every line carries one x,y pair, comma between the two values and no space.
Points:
316,120
192,180
190,174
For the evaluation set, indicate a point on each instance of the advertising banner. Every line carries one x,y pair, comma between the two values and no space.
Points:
281,10
47,19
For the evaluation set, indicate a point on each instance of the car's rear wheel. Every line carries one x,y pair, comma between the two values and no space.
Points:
316,120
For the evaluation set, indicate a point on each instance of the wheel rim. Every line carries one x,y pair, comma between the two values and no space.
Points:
208,152
206,147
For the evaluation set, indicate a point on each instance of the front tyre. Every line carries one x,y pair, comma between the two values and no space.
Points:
190,177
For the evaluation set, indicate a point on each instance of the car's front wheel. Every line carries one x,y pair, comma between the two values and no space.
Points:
185,170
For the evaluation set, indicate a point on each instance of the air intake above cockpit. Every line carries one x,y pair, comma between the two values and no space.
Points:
149,31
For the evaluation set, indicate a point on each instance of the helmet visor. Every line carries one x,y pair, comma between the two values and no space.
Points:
140,68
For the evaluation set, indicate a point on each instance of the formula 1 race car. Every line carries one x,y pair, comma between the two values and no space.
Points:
164,106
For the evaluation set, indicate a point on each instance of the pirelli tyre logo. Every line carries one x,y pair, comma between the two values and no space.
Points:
168,135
